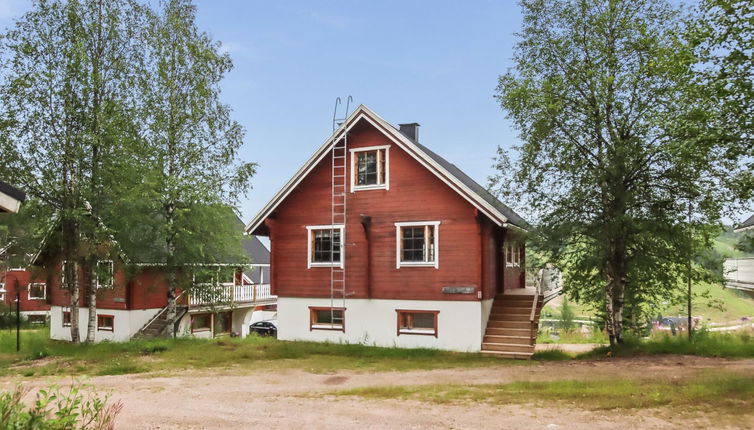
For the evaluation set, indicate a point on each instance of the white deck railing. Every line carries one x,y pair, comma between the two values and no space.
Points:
230,293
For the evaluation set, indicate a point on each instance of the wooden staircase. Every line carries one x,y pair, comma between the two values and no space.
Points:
512,326
158,327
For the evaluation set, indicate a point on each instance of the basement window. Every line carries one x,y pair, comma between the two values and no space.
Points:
37,291
322,318
66,319
417,244
370,168
201,322
417,322
105,322
325,247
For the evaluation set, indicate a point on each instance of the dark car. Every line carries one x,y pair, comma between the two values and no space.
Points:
264,328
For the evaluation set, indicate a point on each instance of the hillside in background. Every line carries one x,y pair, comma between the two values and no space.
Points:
711,302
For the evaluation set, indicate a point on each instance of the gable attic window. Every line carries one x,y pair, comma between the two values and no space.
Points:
325,247
370,168
417,244
37,291
104,274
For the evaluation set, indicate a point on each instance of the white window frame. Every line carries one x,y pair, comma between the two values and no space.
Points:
44,291
512,248
309,262
398,240
386,185
2,291
112,274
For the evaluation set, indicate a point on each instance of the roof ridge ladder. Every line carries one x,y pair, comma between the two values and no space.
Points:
338,217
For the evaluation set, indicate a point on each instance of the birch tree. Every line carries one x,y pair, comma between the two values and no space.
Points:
66,88
191,156
611,160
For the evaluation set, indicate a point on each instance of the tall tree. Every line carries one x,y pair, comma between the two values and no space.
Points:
190,158
599,94
65,91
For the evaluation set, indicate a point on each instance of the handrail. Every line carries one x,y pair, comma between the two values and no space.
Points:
536,298
157,315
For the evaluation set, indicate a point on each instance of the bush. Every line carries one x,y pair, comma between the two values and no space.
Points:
56,409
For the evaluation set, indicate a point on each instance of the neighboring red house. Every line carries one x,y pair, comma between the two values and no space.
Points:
132,297
32,292
379,240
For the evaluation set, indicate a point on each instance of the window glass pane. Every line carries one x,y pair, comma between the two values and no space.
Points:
201,321
431,243
326,246
324,316
413,243
105,322
424,321
366,168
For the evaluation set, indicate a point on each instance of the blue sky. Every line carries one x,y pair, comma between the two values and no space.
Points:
432,62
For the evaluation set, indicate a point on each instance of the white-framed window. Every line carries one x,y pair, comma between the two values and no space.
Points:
417,244
104,274
37,291
325,246
370,168
2,291
513,252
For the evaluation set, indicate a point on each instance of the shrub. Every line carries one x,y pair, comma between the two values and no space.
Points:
56,409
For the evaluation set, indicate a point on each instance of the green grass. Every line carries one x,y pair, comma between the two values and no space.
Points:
722,391
41,356
727,345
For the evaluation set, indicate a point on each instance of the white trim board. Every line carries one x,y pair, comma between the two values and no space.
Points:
363,112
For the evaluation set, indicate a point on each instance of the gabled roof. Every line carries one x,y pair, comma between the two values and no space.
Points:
461,183
10,198
746,225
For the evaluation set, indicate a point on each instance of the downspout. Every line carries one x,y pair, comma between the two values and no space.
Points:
366,222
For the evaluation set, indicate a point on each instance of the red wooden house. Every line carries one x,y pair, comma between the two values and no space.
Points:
132,297
379,240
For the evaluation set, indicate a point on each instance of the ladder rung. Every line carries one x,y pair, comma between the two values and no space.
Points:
339,176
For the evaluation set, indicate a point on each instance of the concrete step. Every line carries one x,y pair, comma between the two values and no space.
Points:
519,340
514,355
507,347
494,331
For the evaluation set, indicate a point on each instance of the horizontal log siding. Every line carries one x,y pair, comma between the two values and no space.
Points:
415,194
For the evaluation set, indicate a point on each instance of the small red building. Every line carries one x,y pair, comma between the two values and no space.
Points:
379,240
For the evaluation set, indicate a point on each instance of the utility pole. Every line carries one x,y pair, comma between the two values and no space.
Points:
18,319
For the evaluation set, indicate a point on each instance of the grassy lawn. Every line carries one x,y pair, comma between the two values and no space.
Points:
41,356
723,391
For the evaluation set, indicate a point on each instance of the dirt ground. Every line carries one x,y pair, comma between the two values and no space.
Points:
294,399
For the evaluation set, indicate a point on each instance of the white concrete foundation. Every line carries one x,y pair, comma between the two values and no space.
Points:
374,322
125,325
